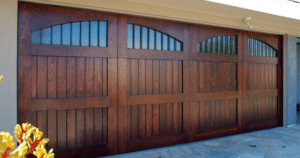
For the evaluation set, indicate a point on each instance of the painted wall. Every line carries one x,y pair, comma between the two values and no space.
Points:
8,64
289,80
298,73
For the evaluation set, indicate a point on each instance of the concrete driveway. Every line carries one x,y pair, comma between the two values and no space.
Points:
280,142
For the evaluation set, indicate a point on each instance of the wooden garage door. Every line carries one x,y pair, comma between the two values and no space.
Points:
100,84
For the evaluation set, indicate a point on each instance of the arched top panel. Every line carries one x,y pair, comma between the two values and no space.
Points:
141,37
259,48
219,45
82,33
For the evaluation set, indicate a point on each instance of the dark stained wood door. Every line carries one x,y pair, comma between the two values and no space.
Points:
68,78
100,84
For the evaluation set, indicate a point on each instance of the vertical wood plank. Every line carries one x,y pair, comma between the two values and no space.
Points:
142,91
155,91
42,94
201,77
62,93
98,77
227,112
169,82
207,76
213,114
207,105
33,88
98,122
134,91
80,113
105,77
71,92
202,115
89,92
149,90
162,90
112,111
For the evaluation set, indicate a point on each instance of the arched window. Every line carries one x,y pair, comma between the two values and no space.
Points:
218,45
83,33
141,37
259,48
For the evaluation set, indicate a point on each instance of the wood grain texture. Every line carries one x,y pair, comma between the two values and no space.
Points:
113,99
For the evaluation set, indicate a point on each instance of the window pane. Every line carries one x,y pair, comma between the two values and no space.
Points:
56,35
151,39
46,36
171,41
178,46
36,37
158,40
103,34
75,33
144,38
66,37
129,36
94,33
137,37
165,42
85,31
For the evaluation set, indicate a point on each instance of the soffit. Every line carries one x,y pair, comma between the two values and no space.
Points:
193,11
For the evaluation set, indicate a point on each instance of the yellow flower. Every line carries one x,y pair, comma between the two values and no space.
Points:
20,151
42,153
6,144
1,78
23,133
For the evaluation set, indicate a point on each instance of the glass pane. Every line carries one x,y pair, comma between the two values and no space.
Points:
178,46
85,31
129,36
214,45
56,35
66,31
151,39
220,46
165,42
202,47
137,37
75,33
144,38
158,40
171,44
94,33
208,46
229,45
225,48
103,34
36,37
46,35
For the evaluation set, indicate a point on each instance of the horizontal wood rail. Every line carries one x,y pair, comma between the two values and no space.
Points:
215,57
215,133
214,95
261,93
153,54
155,99
66,50
262,60
68,103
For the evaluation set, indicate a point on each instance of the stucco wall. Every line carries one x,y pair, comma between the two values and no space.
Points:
289,80
8,64
298,73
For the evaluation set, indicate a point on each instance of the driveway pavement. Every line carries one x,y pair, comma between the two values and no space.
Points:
280,142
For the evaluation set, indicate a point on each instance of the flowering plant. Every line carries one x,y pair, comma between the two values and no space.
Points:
29,138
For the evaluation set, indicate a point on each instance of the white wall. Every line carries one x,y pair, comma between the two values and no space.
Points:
8,64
